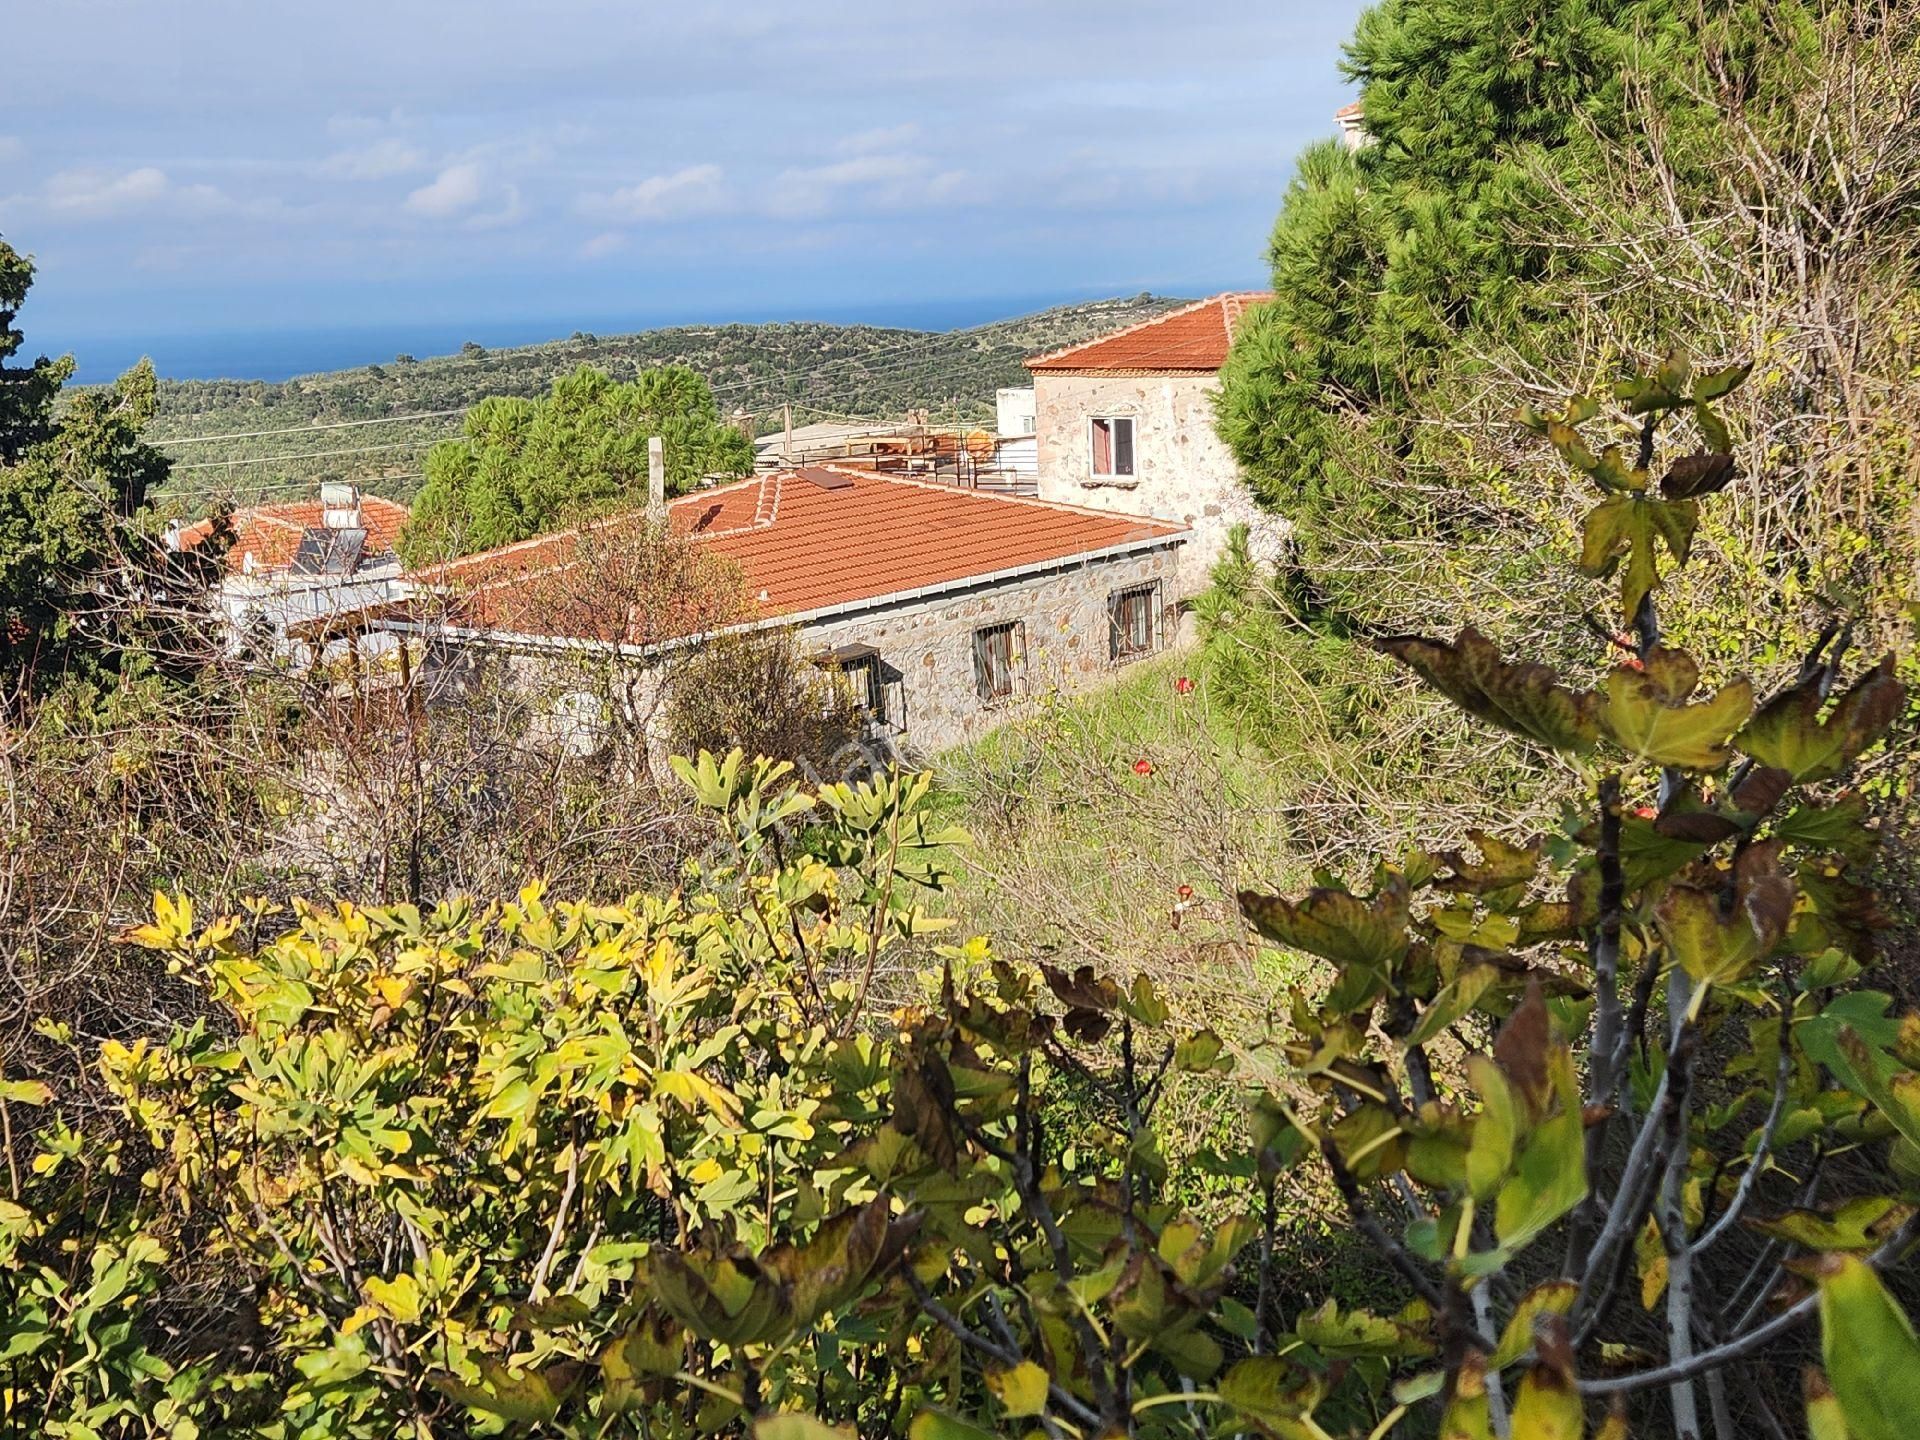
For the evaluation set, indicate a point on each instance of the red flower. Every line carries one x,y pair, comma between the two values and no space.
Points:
1184,685
1646,812
1186,892
1143,767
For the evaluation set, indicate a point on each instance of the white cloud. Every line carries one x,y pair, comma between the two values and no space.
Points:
457,188
92,193
381,160
607,242
460,191
868,182
694,190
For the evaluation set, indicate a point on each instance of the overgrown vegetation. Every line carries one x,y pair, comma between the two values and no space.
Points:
81,575
657,1168
1548,195
1560,1100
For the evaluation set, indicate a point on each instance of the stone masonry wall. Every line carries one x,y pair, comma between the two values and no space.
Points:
926,648
925,654
1182,469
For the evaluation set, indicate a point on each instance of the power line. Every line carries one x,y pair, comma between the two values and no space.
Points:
297,487
310,455
304,429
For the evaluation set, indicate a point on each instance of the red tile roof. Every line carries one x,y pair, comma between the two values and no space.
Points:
272,532
1193,338
818,538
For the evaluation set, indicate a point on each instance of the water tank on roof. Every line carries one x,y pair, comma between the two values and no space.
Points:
340,506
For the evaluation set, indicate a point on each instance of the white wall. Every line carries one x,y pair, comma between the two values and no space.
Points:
1014,412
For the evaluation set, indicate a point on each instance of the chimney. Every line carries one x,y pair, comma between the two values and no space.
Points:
656,478
340,507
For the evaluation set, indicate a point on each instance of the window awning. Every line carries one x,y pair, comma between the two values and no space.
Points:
845,655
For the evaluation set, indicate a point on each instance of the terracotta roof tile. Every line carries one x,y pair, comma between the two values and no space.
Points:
801,545
1193,338
271,533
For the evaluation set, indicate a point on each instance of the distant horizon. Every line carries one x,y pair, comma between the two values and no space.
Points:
273,354
188,182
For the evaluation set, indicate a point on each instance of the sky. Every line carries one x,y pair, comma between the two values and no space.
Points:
229,168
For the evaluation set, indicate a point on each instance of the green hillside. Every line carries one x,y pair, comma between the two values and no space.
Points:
824,371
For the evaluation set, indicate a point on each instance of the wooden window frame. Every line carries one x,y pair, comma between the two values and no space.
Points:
1133,447
864,677
869,689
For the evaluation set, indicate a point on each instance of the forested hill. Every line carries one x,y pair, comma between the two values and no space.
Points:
824,371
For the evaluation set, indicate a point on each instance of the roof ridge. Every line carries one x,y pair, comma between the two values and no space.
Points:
1186,309
1222,307
545,537
996,496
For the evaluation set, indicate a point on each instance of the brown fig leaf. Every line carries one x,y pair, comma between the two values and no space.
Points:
1521,1049
1087,1026
1698,474
1764,891
1526,699
1762,788
1696,827
1788,733
1082,990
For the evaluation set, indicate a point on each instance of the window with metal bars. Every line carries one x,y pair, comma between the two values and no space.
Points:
863,677
1133,621
996,661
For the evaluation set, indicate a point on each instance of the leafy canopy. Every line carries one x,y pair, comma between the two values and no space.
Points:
526,466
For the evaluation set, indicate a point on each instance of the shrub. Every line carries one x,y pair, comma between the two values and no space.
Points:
650,1169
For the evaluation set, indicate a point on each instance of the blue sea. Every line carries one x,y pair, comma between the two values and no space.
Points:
282,353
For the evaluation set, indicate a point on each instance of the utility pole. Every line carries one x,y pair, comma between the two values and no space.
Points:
656,478
786,444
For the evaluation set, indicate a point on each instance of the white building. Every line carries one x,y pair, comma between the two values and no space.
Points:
295,569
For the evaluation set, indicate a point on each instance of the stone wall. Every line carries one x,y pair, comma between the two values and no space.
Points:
926,647
925,655
1183,471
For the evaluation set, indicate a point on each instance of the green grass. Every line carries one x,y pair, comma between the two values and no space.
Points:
1079,859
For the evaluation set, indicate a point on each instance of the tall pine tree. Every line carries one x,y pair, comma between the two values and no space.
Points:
74,482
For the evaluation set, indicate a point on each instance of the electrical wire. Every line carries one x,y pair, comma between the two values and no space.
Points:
305,429
310,455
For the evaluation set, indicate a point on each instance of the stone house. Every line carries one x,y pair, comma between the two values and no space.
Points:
948,609
1124,422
